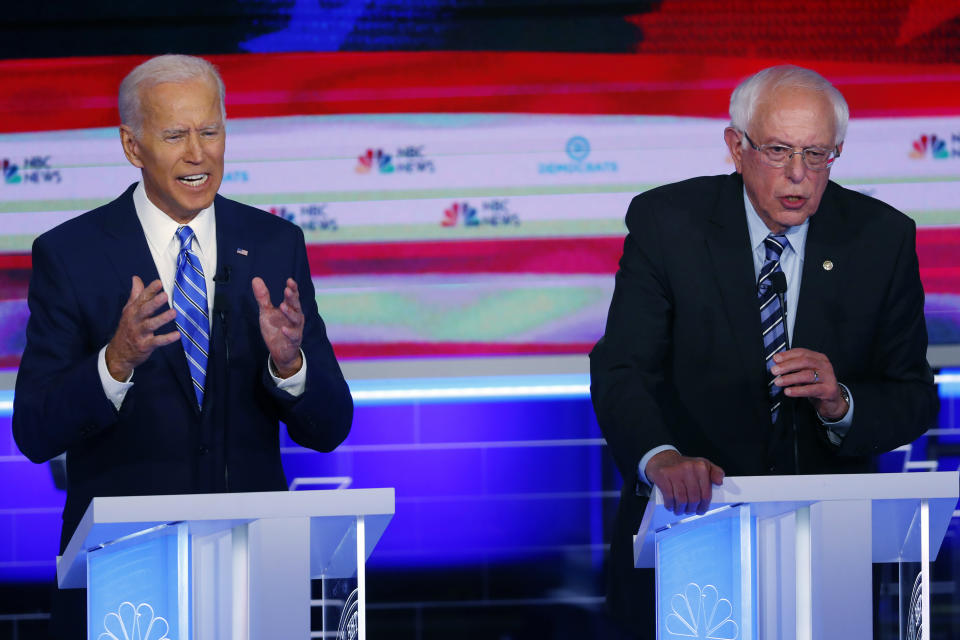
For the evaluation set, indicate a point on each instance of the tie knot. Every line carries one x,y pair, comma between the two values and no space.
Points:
775,244
184,235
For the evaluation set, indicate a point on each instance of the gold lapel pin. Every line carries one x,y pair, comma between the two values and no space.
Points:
828,265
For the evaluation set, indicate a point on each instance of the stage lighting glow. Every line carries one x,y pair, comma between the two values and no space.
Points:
400,390
473,388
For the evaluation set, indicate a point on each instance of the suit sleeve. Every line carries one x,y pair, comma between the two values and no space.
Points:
627,365
59,399
319,418
898,401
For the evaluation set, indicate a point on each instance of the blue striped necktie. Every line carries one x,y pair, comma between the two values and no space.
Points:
190,301
772,317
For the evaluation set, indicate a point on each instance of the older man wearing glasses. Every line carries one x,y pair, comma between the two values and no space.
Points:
764,322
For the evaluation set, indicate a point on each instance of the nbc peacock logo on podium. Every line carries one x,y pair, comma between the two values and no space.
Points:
701,613
134,622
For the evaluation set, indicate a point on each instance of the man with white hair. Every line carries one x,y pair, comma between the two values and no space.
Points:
172,330
763,322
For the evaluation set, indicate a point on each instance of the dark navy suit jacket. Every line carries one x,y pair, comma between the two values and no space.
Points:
681,361
160,442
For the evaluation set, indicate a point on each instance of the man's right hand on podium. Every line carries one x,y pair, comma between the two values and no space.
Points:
686,483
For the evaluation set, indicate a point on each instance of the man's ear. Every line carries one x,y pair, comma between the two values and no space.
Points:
732,137
131,148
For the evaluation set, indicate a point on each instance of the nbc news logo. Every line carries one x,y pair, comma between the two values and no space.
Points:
935,147
11,172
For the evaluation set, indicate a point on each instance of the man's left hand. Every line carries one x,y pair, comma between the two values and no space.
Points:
803,373
281,327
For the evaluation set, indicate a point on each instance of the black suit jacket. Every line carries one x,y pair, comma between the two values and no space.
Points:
681,360
160,442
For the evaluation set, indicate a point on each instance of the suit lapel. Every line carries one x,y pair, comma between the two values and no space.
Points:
232,256
825,257
131,256
235,255
731,257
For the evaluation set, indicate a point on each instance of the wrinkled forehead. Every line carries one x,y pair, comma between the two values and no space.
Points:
795,114
201,88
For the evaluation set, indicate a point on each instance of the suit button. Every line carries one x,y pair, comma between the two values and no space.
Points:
772,469
203,450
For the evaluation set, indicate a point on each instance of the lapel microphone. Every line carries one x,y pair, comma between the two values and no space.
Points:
778,282
221,304
223,275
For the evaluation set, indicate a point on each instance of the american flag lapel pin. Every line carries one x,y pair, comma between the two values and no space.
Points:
242,252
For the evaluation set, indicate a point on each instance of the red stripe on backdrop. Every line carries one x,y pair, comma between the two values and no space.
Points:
936,247
597,255
71,93
15,261
937,250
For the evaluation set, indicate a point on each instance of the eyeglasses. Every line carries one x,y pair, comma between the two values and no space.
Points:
778,155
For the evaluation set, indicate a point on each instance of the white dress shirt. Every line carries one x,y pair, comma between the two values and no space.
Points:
160,231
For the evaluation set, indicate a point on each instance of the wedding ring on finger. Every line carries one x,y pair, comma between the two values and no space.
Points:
816,376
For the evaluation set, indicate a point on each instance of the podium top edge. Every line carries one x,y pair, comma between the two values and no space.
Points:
850,486
242,506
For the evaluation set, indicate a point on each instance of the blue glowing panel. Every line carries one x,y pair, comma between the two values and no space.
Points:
139,588
476,481
706,584
30,509
949,411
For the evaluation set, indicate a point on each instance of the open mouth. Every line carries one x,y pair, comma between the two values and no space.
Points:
195,180
793,202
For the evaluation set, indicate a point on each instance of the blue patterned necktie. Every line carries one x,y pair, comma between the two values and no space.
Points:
190,301
772,317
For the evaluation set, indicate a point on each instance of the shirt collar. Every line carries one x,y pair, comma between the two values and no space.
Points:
160,229
796,236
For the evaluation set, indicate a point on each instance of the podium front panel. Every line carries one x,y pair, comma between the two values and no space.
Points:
139,587
706,577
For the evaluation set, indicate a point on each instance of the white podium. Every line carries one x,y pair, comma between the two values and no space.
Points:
789,557
229,565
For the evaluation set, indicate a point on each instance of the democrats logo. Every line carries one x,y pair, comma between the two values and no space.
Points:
578,155
309,217
935,147
407,159
33,169
578,148
490,213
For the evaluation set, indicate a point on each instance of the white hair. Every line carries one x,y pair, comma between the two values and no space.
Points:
166,68
752,91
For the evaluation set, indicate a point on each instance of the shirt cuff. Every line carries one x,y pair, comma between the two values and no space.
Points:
837,430
115,391
296,384
646,458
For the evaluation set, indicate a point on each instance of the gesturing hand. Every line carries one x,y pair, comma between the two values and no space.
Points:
803,373
684,482
281,327
134,339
